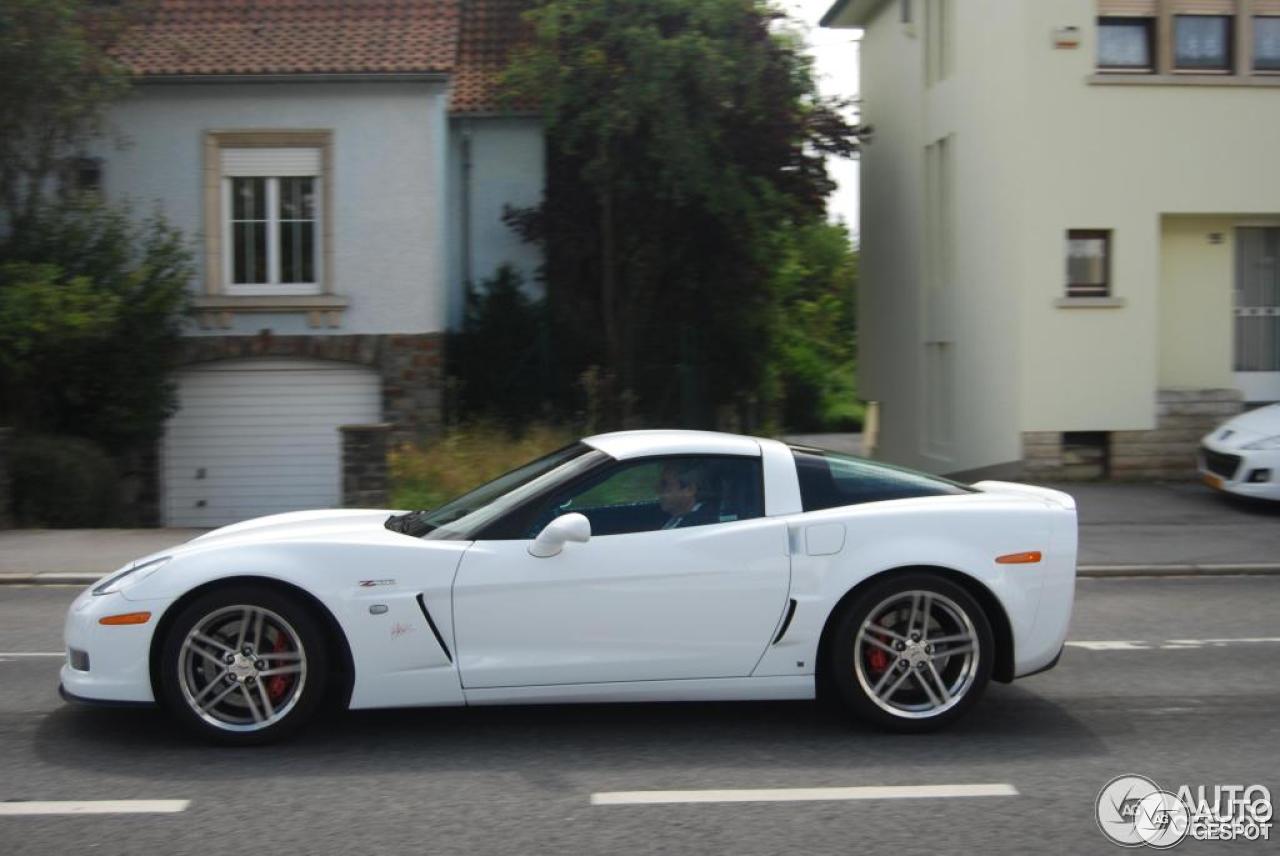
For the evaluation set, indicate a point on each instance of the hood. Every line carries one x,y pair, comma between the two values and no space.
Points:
300,524
1248,427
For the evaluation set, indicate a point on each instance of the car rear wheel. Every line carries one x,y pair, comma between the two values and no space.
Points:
243,665
912,653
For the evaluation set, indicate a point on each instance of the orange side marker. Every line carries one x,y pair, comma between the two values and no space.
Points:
126,618
1028,558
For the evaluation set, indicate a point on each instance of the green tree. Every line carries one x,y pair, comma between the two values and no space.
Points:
815,286
682,136
91,298
57,77
91,303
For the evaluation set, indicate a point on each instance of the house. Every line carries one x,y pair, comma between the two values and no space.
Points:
1070,229
342,169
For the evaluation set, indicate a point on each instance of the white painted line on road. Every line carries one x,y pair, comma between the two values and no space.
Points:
1123,645
1169,644
886,792
33,653
93,807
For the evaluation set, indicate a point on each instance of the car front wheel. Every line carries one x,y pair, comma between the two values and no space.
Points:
243,664
912,653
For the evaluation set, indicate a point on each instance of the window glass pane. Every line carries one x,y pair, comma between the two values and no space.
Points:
1124,43
248,199
297,251
1202,41
665,493
1266,44
1086,265
830,480
250,252
297,230
297,198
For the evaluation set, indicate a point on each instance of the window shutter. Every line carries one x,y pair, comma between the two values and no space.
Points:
1128,8
1203,7
1266,7
270,161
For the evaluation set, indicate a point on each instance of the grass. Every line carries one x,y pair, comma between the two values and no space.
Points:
427,476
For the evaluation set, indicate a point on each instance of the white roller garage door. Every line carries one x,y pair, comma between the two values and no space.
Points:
255,437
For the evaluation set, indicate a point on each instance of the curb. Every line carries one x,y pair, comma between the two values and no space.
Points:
1178,570
51,579
1084,571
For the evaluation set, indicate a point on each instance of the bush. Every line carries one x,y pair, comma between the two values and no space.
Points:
91,308
61,482
498,359
465,457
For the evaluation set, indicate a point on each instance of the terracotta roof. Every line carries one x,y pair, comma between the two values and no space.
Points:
490,28
247,37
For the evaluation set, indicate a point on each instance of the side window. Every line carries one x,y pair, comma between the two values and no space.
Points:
649,494
829,480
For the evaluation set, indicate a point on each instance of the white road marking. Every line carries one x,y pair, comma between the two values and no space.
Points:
33,653
1123,645
93,807
1169,644
886,792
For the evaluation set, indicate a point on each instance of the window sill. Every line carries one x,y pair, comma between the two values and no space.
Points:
1182,79
1089,303
271,302
217,310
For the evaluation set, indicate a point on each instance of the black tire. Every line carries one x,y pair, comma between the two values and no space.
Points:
185,678
914,706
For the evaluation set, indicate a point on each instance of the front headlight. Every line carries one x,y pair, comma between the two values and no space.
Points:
129,576
1267,443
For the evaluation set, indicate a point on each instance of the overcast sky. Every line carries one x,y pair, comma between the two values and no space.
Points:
836,55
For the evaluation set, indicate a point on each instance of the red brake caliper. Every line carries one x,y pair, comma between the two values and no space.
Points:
277,684
877,659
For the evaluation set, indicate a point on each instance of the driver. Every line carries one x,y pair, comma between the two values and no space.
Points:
679,487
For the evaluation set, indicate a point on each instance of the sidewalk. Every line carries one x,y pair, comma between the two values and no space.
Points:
1175,524
77,555
1125,529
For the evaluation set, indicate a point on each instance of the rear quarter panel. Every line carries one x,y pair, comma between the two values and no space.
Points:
959,533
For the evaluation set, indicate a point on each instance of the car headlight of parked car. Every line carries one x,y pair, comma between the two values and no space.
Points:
1268,443
131,575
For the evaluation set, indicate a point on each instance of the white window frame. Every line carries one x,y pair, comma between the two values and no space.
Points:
273,286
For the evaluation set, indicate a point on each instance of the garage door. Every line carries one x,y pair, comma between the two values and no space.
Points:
255,437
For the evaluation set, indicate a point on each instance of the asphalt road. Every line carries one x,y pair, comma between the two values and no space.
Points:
519,780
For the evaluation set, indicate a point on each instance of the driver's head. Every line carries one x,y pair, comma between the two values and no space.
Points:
678,487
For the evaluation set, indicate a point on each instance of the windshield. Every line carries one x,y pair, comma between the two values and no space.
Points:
465,516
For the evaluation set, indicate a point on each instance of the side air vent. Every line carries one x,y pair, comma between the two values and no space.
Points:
786,621
426,613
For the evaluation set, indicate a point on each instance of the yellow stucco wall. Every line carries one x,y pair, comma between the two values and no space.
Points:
1040,149
1196,282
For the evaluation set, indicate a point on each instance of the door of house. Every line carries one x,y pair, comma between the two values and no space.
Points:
1257,311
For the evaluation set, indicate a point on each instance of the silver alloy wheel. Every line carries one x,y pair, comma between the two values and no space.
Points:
916,654
242,668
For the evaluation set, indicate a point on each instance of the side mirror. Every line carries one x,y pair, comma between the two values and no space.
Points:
565,528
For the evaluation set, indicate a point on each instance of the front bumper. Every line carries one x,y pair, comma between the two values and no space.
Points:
1230,469
119,656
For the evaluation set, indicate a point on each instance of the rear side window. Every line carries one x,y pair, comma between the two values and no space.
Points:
830,480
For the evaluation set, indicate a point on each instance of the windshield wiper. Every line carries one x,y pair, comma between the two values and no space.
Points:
411,523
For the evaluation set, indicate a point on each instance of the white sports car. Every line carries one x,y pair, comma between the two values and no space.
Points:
639,565
1242,455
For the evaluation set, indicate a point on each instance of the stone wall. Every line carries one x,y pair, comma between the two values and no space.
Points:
1167,452
364,466
1183,416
